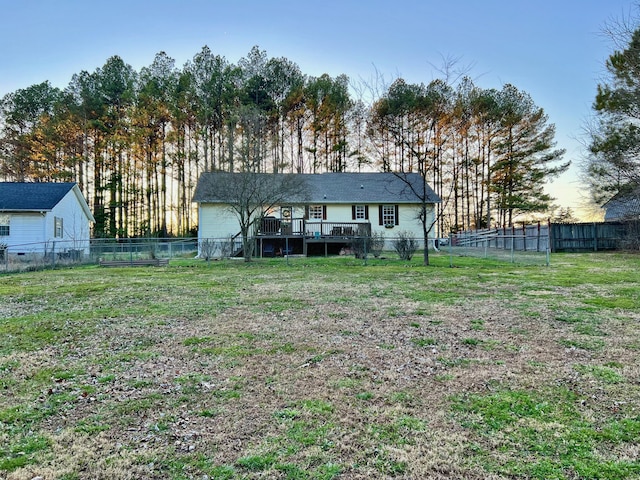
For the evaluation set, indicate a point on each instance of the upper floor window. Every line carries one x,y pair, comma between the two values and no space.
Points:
4,225
360,212
316,212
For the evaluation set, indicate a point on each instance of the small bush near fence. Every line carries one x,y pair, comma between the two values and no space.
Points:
372,245
210,248
405,245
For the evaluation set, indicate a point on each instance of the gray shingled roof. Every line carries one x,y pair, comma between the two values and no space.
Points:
349,188
623,206
16,196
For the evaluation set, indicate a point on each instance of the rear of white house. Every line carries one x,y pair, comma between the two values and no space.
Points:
337,207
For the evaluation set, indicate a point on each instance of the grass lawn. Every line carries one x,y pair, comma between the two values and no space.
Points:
323,368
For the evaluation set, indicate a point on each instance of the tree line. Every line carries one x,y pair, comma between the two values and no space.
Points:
136,142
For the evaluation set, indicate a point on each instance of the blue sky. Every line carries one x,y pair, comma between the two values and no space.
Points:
553,50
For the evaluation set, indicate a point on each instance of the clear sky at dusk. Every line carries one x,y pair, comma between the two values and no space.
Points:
553,50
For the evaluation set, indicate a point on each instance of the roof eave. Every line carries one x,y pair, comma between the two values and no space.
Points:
24,210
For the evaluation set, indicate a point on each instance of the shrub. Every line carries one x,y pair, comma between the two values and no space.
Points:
370,244
226,247
377,244
208,248
405,245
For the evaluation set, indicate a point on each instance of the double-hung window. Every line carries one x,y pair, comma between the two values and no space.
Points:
4,225
58,230
360,212
388,215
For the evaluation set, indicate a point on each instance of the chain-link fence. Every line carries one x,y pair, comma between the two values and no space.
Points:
34,256
155,251
529,246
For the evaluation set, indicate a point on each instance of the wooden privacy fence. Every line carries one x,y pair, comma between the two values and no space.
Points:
595,236
557,237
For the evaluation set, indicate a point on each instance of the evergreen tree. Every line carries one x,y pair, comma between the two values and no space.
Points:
614,164
525,157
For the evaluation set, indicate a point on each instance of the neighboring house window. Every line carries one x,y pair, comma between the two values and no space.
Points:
359,212
58,231
4,225
317,212
388,215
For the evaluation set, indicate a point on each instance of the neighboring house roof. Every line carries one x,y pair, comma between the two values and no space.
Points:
37,197
623,206
349,188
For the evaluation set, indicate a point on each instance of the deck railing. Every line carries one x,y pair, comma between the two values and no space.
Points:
337,229
313,229
275,226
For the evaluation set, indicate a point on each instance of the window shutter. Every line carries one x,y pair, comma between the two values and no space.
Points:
397,216
366,212
306,212
324,212
379,214
353,212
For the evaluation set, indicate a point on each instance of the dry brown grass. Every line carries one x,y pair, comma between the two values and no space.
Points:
311,367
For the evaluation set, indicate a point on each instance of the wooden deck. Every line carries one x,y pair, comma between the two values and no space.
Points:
312,229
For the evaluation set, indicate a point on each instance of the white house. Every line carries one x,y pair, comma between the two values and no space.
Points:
44,218
336,208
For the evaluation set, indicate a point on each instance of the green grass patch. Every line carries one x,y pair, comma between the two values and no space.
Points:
542,434
589,329
22,450
583,344
423,342
603,373
92,425
477,324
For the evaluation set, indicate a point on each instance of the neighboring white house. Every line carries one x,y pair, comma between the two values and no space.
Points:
44,218
337,207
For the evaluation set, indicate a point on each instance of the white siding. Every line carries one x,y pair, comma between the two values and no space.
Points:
26,233
33,232
216,221
76,225
408,222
